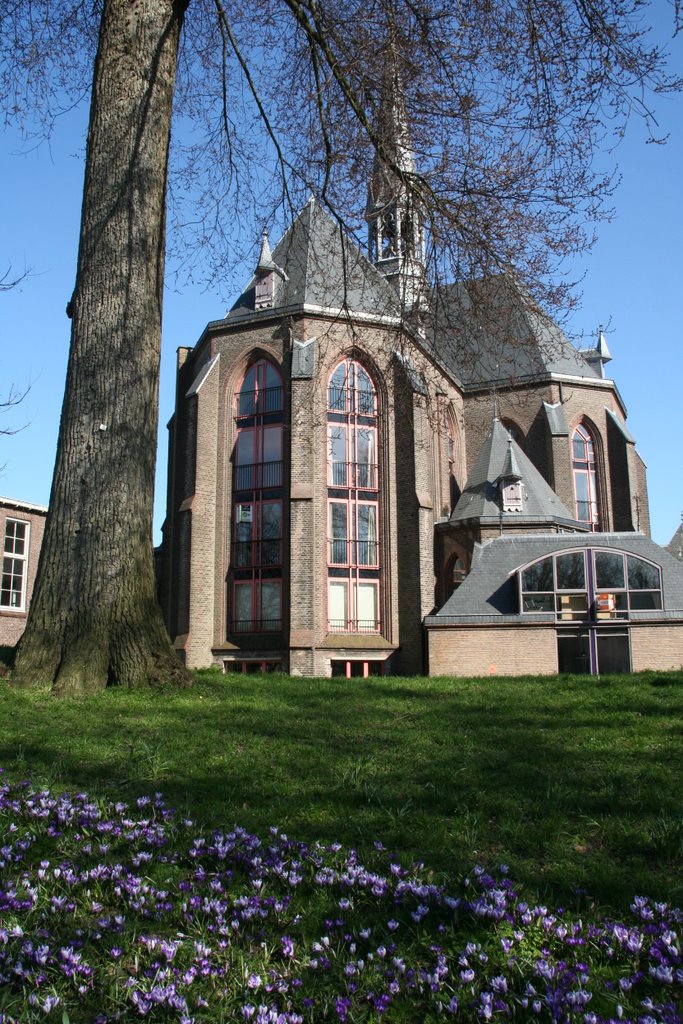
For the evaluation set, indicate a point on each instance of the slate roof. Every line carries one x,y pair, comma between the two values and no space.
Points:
482,332
490,589
675,545
480,500
322,268
621,426
488,331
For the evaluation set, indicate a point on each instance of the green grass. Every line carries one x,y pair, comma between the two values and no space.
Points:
575,782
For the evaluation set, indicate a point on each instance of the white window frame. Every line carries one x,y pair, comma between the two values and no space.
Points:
11,556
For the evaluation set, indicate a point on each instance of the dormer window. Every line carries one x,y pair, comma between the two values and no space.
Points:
510,481
512,495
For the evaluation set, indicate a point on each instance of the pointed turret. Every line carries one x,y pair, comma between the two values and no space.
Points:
599,355
265,260
395,232
675,545
266,269
510,470
504,480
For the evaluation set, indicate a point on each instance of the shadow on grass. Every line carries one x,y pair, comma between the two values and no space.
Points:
576,784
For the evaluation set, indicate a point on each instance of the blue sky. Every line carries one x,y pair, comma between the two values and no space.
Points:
633,282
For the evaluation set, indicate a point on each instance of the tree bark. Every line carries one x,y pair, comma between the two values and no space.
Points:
94,619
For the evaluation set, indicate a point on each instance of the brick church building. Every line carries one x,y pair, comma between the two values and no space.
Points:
366,477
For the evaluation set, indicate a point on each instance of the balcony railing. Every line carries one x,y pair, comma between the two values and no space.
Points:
353,552
258,476
361,475
249,553
258,403
256,626
354,625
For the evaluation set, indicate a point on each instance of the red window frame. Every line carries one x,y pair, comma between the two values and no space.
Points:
262,551
351,623
584,465
257,624
263,398
352,550
354,562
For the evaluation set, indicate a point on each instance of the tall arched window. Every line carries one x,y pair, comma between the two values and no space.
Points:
256,535
353,501
585,477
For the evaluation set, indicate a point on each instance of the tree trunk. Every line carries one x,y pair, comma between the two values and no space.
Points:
94,619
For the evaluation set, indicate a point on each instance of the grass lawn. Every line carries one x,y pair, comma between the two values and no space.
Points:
575,782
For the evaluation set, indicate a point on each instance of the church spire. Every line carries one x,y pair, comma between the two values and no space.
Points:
395,232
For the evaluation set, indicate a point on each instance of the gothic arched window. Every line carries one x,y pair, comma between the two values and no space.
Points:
585,477
353,501
256,533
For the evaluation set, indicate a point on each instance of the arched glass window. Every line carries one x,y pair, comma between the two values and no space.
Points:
353,504
260,391
618,583
585,477
256,523
592,594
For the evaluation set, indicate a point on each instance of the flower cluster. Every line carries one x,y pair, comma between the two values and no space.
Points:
115,913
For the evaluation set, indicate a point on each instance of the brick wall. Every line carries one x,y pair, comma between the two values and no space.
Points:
205,510
641,501
618,470
415,486
656,646
197,535
492,650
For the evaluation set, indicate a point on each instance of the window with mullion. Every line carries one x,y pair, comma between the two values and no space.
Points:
350,390
257,534
260,393
352,456
353,605
14,565
353,501
618,583
257,606
585,477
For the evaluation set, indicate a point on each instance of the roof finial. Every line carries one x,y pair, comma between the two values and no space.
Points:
265,260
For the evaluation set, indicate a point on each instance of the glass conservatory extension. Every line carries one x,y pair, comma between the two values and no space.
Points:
592,593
